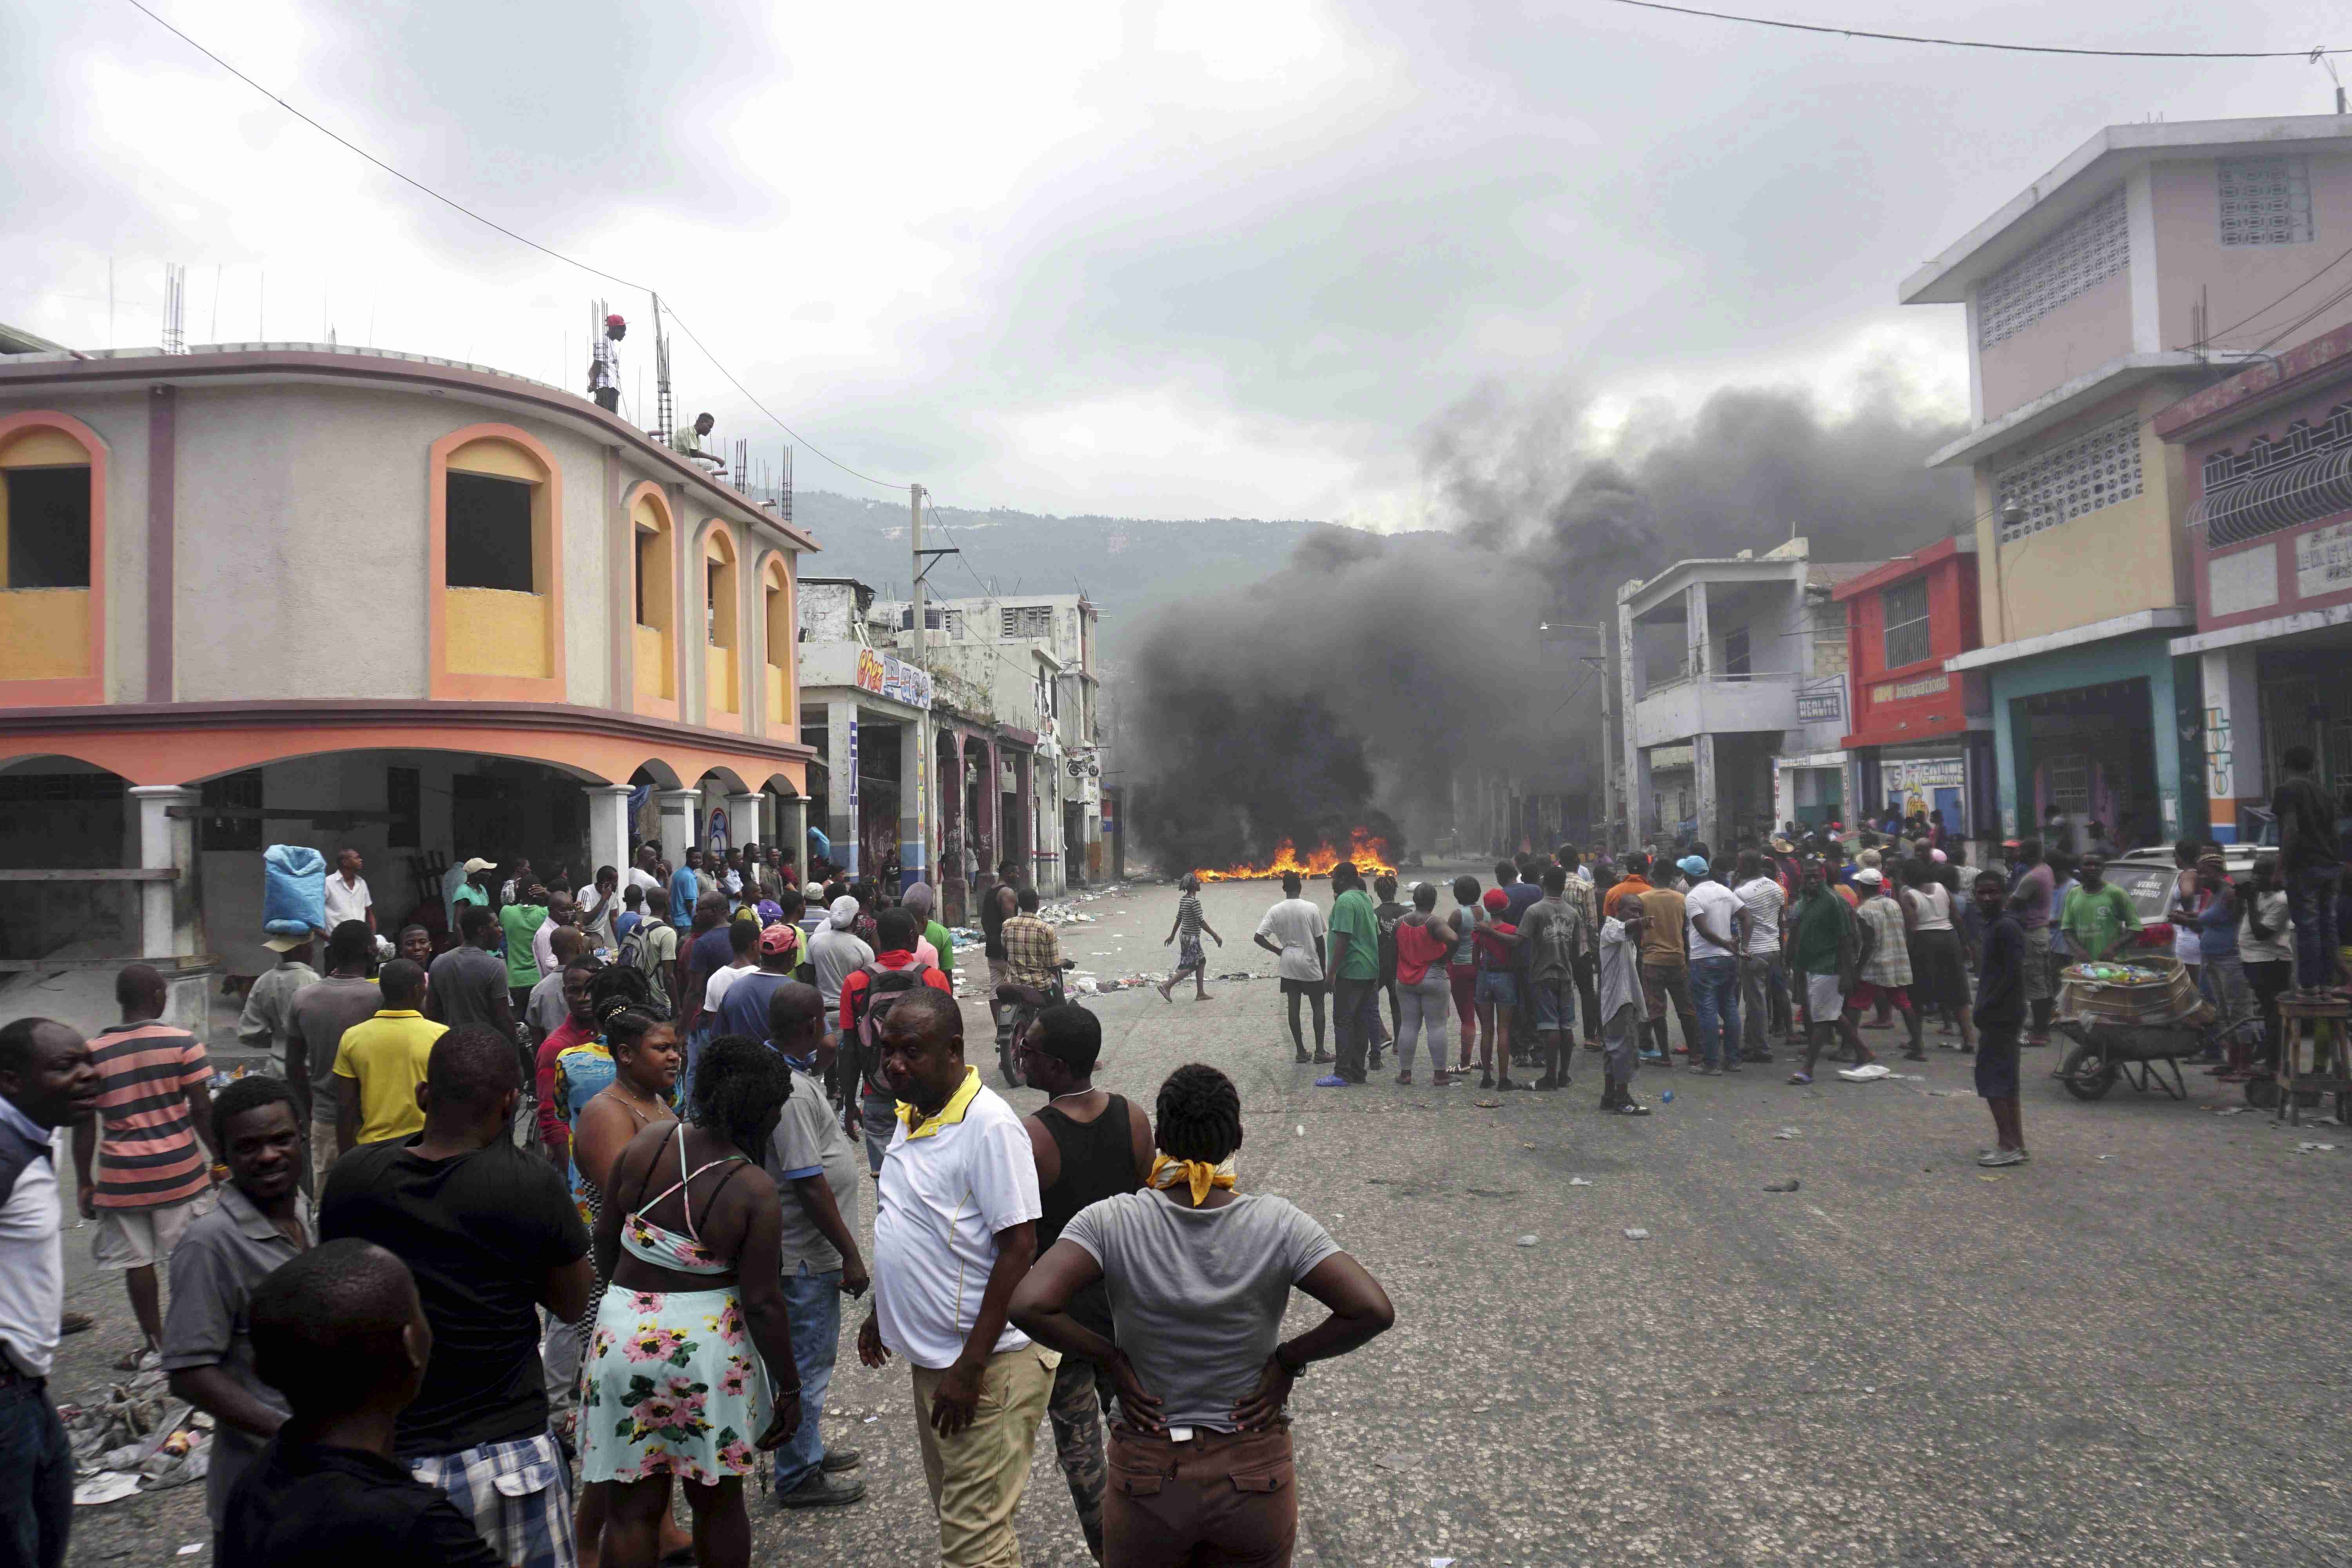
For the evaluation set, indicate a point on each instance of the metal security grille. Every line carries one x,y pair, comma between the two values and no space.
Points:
1904,607
2089,249
2088,473
1028,621
2302,477
2265,201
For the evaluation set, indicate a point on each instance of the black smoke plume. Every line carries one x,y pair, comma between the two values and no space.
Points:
1358,679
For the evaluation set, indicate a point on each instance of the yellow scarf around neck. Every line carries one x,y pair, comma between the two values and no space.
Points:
1199,1175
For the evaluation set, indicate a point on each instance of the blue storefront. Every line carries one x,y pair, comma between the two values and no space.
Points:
2095,725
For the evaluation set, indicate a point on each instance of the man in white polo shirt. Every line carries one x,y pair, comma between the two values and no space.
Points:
955,1231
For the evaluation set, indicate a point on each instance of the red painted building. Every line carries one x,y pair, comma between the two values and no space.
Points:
1922,735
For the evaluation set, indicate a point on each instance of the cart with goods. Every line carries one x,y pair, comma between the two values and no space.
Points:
2131,1018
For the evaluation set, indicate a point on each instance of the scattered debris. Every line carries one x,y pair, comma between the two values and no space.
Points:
1868,1072
1790,1185
2313,1148
1529,1240
2233,1110
1578,1182
190,1550
1397,1461
1789,1133
107,1485
1487,1104
1666,1098
1635,1233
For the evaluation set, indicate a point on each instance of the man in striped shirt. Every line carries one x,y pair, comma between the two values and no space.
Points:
153,1141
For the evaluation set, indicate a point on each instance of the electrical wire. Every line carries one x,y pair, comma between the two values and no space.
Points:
1982,43
2267,310
457,206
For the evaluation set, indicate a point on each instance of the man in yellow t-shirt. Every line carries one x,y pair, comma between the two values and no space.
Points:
381,1062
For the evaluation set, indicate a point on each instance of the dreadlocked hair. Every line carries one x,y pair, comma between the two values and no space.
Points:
1199,1115
621,1000
738,1086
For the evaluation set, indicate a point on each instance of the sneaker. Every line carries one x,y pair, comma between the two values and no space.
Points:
2002,1157
1706,1069
1632,1108
1801,1078
1731,1067
818,1490
1331,1080
1653,1056
1546,1082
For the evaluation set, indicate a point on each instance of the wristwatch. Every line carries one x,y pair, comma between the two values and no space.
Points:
1284,1361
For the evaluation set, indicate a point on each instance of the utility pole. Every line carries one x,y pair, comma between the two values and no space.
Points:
913,857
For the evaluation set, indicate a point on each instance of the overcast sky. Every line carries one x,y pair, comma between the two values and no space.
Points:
1215,257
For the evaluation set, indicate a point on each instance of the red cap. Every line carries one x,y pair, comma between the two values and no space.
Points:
615,321
780,938
1496,898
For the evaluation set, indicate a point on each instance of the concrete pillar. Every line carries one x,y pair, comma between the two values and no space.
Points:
1636,781
1705,808
954,894
676,809
792,831
914,801
608,826
1642,811
991,847
1021,843
171,922
841,795
742,820
1694,603
2236,749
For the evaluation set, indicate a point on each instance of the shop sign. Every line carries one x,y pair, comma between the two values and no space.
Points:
1669,757
2323,561
885,675
1821,707
1921,773
1903,692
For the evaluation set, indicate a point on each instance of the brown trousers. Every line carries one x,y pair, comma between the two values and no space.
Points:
1225,1500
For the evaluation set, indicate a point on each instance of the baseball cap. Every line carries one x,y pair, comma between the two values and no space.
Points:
1496,898
478,863
779,939
1870,876
1692,866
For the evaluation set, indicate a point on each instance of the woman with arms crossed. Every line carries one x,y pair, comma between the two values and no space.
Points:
1199,1276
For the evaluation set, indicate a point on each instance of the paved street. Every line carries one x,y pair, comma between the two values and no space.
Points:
2119,1353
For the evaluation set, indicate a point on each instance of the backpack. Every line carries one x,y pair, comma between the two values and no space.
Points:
884,990
630,951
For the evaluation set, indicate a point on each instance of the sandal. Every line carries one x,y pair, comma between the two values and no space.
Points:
1801,1078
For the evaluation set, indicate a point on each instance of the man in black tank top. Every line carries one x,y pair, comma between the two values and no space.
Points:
1090,1144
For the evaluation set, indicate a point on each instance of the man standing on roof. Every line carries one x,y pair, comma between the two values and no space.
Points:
604,365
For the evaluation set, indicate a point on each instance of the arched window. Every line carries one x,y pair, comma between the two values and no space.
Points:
52,560
654,537
498,592
779,622
722,630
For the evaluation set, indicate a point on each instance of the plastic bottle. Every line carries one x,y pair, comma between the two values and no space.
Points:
1667,1097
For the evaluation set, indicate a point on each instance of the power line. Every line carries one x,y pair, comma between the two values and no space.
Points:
2215,337
457,206
1981,44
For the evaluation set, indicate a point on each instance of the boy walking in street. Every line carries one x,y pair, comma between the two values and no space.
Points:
1999,1017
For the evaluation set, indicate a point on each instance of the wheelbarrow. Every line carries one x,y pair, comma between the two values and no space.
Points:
2138,1053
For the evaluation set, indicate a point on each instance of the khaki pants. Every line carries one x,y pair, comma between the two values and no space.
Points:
1227,1498
976,1476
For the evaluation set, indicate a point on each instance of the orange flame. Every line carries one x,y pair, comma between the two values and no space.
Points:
1366,849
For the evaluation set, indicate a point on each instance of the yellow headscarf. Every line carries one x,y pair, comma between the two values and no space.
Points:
1199,1175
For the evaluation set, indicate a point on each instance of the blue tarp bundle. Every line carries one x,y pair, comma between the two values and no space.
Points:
293,890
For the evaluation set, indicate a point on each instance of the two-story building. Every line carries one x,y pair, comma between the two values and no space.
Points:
1735,694
2096,297
286,592
1921,735
2269,460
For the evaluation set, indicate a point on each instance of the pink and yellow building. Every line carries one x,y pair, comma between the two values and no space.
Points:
286,592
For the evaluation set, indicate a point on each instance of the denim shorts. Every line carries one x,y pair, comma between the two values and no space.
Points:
1499,987
1555,1002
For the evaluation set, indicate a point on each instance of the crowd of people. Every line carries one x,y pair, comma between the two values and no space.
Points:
1799,941
573,1232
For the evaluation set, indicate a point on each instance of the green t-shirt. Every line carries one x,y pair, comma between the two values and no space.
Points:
2095,921
1814,932
521,923
1351,916
937,935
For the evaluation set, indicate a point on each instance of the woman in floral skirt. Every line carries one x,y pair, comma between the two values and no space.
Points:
674,1383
